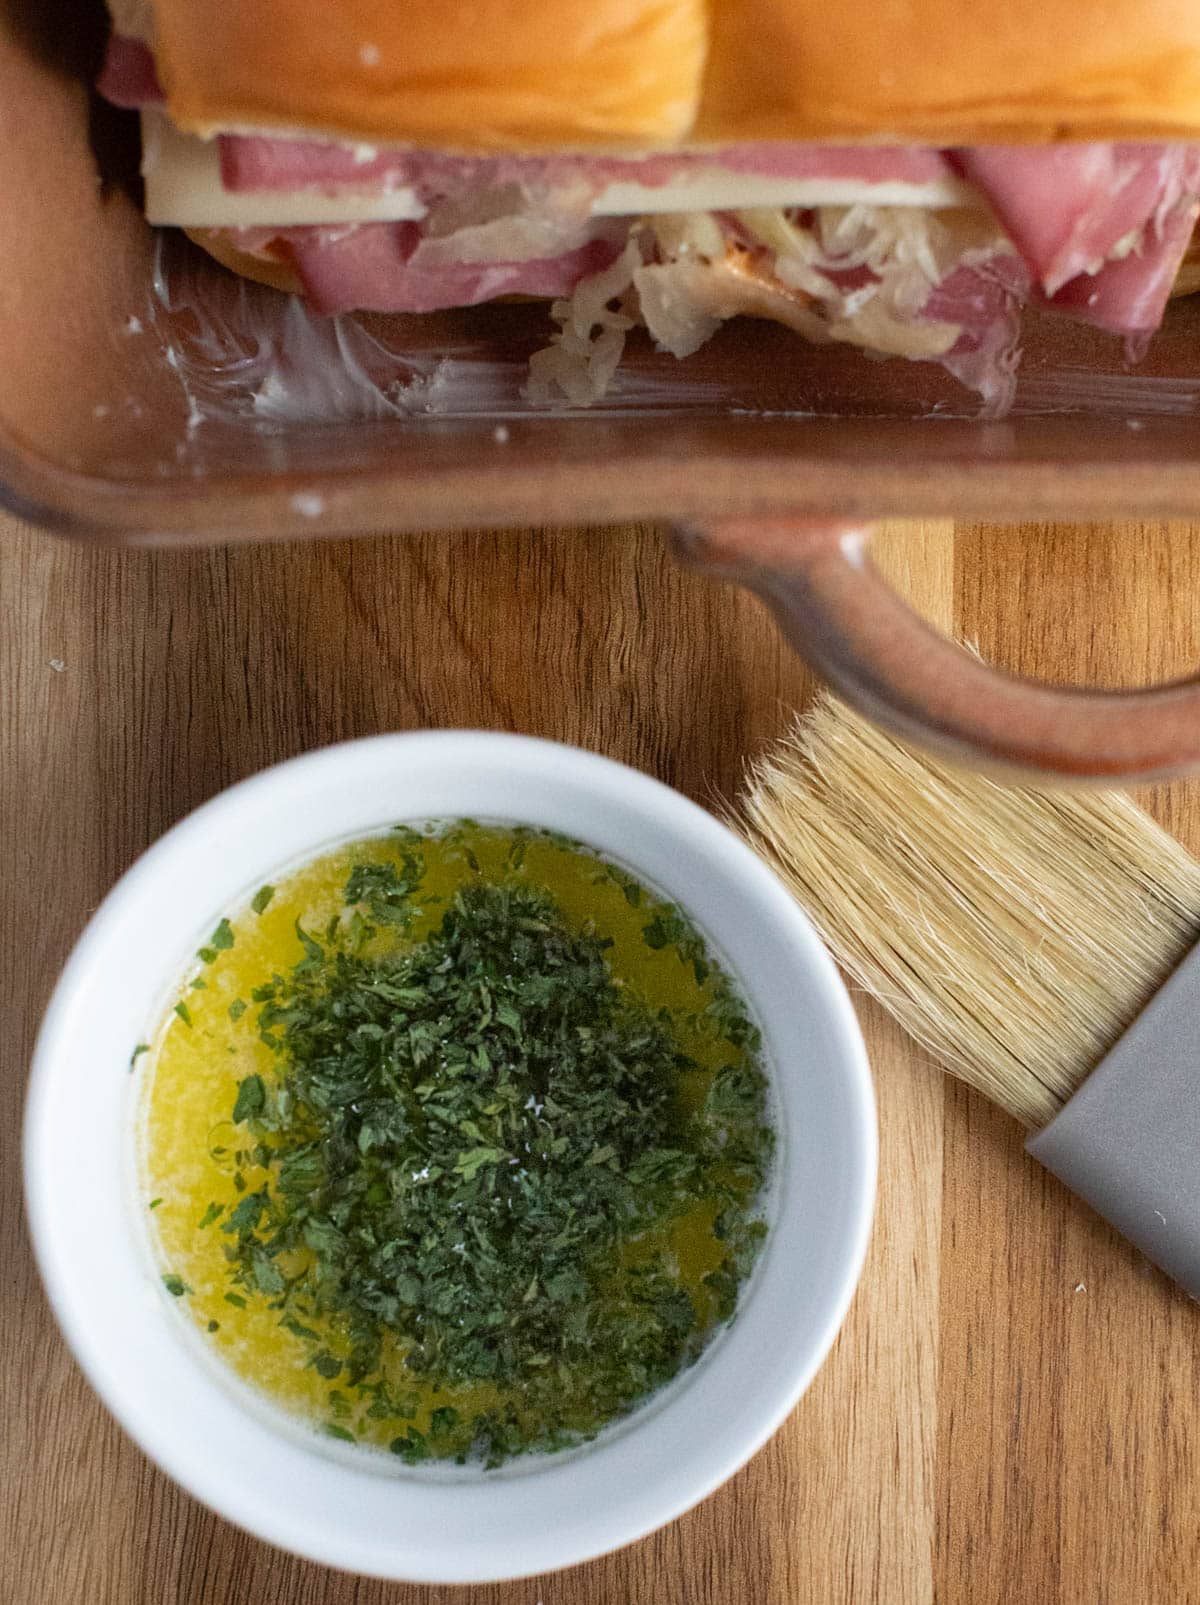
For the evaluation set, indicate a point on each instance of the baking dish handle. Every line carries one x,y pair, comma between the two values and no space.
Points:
839,613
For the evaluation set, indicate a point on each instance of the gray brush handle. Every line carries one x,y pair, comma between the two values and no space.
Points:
1129,1140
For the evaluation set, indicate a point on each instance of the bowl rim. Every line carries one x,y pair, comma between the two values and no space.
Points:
626,788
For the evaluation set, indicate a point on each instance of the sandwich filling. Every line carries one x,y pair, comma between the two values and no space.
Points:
902,251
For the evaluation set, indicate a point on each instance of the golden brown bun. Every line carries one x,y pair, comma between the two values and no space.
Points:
275,271
533,74
488,74
952,72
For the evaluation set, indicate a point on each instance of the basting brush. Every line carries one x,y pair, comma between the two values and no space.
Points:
1040,944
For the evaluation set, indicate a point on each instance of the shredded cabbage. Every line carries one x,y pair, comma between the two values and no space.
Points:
499,225
582,357
862,275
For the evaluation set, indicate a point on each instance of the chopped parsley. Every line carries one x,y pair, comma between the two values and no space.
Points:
669,928
251,1096
220,941
476,1154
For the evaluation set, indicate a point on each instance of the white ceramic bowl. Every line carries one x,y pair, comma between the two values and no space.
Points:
345,1508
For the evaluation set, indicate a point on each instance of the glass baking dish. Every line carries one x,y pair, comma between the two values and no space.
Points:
147,396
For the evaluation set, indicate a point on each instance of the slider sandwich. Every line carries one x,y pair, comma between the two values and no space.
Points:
902,177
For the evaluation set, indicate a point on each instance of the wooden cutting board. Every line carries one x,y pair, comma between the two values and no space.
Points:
1011,1413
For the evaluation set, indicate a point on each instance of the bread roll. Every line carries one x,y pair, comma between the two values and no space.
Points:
456,74
952,72
495,75
273,270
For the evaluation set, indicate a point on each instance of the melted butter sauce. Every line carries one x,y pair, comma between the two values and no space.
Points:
191,1077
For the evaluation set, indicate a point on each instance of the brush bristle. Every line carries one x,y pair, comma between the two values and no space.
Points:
1015,933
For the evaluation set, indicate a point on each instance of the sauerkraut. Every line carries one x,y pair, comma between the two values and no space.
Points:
862,275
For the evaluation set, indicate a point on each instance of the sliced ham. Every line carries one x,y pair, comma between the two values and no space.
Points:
128,76
1069,208
255,164
985,302
378,267
1129,296
1102,228
869,164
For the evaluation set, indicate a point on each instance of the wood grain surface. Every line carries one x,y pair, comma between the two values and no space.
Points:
1011,1412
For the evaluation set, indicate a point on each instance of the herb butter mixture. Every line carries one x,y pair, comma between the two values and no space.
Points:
455,1142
